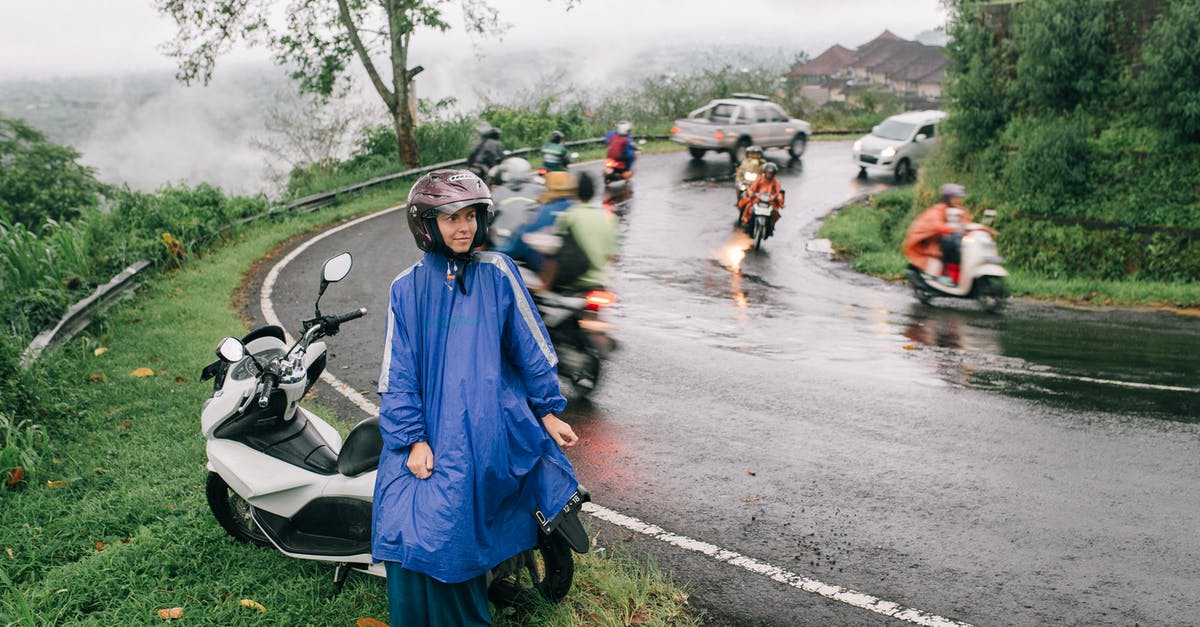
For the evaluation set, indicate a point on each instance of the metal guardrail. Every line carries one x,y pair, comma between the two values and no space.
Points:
80,315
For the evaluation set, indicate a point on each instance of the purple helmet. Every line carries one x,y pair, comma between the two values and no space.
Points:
446,191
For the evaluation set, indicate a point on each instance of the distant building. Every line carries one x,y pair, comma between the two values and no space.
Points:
909,69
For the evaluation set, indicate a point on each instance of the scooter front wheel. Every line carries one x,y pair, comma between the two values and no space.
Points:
233,512
991,293
923,293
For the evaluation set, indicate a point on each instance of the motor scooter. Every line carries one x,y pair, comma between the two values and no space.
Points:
981,273
281,476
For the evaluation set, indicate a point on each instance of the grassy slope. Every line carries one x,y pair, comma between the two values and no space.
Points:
128,531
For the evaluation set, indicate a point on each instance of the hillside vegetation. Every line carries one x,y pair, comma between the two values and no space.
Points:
1079,121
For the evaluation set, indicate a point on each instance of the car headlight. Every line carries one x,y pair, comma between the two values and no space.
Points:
858,145
888,152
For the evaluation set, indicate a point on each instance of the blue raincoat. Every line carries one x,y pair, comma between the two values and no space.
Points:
472,374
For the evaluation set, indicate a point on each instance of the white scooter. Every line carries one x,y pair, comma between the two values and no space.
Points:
281,476
981,273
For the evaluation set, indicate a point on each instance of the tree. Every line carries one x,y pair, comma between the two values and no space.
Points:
321,41
40,180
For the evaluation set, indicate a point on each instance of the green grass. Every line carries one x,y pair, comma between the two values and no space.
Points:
116,526
868,237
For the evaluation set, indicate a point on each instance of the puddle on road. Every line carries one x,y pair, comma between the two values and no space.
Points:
1143,366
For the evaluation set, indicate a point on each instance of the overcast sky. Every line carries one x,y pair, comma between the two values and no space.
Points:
57,37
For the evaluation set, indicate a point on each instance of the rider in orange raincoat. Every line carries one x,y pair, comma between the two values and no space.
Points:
925,240
765,183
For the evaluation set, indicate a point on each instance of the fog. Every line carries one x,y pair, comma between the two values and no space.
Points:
174,133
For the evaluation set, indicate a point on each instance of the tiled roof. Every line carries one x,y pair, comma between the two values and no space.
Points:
829,63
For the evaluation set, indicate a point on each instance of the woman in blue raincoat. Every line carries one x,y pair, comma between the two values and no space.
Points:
469,403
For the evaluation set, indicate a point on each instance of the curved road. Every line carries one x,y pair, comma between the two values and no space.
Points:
1031,468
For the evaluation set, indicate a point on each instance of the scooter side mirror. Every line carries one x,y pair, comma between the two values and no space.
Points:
574,155
336,268
231,350
989,216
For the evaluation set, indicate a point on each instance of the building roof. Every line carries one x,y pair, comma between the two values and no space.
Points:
829,63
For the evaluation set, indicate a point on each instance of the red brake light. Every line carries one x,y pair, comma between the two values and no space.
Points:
719,135
674,130
599,298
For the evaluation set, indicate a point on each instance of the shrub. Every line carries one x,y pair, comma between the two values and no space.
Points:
40,180
1169,81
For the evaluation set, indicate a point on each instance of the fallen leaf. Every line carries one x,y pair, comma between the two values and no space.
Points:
100,546
252,604
126,540
55,484
751,473
180,380
142,372
96,378
135,321
170,613
56,460
9,551
124,425
99,351
751,499
15,475
909,347
370,622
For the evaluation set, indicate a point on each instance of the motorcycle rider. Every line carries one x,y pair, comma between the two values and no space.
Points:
929,236
561,192
752,163
554,154
487,152
515,199
620,145
594,232
765,183
469,398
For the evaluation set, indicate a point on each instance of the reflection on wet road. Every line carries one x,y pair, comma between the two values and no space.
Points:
687,270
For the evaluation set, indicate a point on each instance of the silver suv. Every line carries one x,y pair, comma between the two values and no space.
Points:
899,143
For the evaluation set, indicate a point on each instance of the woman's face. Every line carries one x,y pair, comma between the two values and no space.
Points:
458,229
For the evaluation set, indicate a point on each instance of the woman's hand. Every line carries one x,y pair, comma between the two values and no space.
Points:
420,460
562,432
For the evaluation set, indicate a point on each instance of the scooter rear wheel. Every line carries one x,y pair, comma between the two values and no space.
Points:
923,294
546,571
232,511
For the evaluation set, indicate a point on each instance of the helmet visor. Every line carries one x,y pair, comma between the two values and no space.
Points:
452,207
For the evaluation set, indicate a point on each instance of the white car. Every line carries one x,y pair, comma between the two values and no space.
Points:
899,144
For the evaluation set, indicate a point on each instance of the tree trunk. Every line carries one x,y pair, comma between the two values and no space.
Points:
406,139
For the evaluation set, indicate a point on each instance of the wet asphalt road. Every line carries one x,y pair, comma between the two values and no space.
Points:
990,469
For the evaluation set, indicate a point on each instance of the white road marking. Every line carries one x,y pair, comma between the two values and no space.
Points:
1071,377
807,584
800,582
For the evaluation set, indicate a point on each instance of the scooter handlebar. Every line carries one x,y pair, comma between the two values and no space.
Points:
354,315
268,386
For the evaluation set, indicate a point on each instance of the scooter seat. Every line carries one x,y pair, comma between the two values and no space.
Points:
360,453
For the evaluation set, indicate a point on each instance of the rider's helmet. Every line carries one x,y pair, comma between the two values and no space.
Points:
515,170
950,190
559,184
770,168
754,150
556,137
483,127
623,127
446,191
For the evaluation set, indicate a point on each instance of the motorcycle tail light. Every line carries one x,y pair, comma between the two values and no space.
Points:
611,164
599,298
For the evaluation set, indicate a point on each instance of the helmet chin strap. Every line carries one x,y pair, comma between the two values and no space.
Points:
457,262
